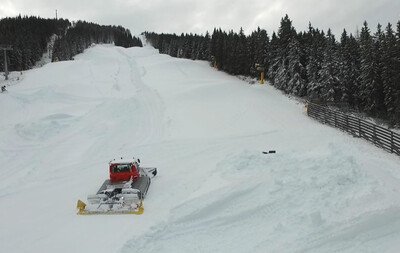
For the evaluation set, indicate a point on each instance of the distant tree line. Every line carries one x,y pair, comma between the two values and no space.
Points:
361,71
83,34
29,37
196,47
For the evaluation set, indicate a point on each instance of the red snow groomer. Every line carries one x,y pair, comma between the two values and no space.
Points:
123,192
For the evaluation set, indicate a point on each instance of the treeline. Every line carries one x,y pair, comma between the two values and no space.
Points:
361,71
188,46
83,34
29,37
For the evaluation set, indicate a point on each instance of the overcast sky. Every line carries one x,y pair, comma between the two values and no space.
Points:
198,16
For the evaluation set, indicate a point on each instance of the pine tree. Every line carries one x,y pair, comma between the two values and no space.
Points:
344,74
314,65
217,47
367,68
371,83
205,48
377,107
262,48
241,53
286,33
229,53
389,73
348,69
329,78
282,76
396,65
273,59
297,83
252,52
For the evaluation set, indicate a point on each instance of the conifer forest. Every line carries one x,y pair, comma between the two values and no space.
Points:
29,37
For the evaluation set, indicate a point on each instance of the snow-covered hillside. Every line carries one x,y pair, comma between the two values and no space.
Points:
323,191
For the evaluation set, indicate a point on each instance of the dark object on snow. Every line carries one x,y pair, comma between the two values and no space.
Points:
269,152
3,88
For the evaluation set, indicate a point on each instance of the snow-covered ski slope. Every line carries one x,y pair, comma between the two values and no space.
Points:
323,191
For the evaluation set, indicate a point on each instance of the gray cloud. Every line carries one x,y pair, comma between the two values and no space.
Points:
201,15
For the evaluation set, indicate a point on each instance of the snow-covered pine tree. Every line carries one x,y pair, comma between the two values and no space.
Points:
354,54
329,72
397,75
172,46
251,51
348,68
344,67
261,48
194,48
219,47
285,34
282,76
187,47
205,48
371,84
367,68
377,107
230,56
315,58
273,58
242,67
389,72
297,84
214,41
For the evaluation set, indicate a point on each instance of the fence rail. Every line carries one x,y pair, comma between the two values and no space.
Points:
378,135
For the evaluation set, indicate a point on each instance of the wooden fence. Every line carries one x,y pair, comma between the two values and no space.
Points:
378,135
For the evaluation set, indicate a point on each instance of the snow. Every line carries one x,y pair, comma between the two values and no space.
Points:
122,160
323,191
14,77
47,55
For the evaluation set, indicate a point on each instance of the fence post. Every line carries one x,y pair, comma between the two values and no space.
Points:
391,141
374,135
334,113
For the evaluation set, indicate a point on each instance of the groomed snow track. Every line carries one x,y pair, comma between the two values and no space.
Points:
323,191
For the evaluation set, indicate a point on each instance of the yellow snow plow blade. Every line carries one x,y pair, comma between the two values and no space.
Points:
81,206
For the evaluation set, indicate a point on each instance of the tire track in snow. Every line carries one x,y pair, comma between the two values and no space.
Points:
150,99
116,82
